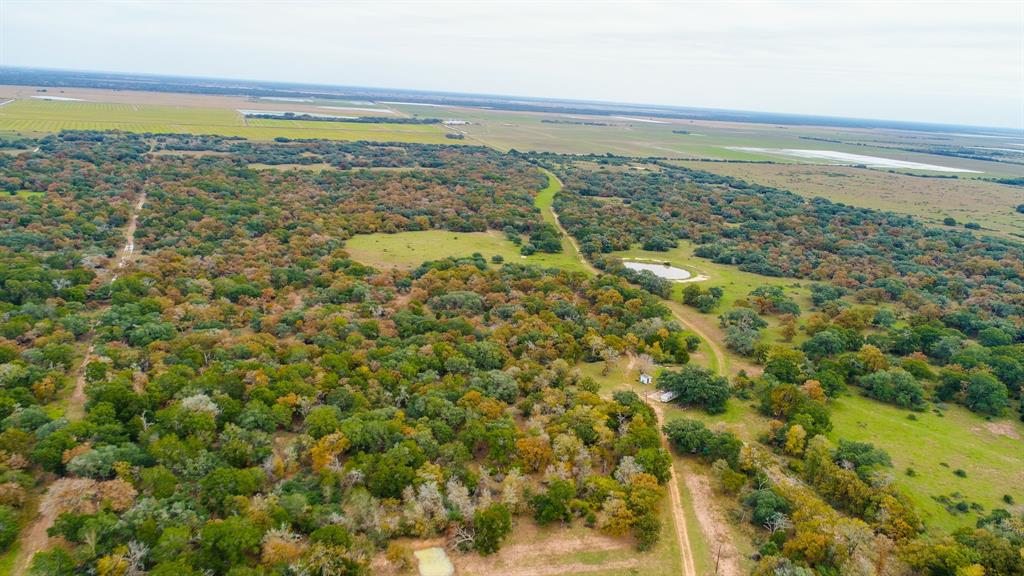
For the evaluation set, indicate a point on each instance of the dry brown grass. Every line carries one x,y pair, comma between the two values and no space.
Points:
931,199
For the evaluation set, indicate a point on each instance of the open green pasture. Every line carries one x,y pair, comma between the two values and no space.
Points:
991,452
407,250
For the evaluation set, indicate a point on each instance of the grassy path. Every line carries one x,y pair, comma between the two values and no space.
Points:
545,201
718,359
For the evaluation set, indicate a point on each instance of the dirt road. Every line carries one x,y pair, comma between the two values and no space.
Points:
128,251
678,513
717,354
34,538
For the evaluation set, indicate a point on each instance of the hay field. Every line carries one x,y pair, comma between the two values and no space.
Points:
34,116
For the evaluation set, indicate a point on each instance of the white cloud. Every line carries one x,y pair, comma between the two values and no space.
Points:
932,61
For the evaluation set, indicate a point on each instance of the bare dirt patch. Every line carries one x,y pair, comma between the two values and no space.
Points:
713,524
1002,429
544,552
678,514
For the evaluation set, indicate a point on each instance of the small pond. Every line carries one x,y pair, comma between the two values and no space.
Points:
660,270
434,562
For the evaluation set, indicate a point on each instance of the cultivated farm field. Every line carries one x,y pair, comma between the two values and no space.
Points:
33,117
676,138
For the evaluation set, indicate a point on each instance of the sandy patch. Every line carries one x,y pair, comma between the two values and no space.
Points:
1002,429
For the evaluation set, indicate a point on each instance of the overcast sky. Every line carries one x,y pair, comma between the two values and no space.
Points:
951,62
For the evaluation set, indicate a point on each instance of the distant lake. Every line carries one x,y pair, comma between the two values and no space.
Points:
851,159
659,270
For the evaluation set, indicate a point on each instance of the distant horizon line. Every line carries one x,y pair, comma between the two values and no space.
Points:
767,116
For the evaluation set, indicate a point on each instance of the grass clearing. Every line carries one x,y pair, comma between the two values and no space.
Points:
733,281
986,450
407,250
28,194
573,549
319,167
569,258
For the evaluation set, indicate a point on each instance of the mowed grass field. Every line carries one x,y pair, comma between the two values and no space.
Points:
407,250
930,199
990,452
33,117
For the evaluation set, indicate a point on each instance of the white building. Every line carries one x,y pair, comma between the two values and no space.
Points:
646,378
667,396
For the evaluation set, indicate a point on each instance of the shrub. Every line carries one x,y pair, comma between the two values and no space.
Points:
693,437
695,386
894,386
554,504
492,525
8,527
647,531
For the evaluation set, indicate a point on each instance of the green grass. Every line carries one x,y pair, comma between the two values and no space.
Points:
569,258
407,250
740,417
319,167
41,116
733,281
735,284
29,194
994,462
8,558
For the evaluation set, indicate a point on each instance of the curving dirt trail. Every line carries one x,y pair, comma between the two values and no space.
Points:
128,251
716,351
678,513
34,537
